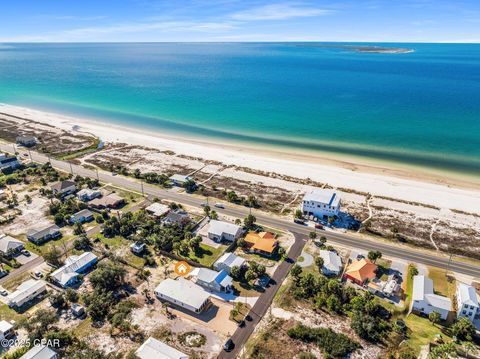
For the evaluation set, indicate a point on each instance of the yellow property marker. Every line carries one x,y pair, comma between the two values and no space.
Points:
182,268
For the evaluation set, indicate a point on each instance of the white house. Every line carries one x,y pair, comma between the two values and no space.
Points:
40,352
179,180
157,209
155,349
227,261
332,263
6,330
9,245
321,203
183,293
88,194
74,265
425,301
26,292
223,231
467,301
212,280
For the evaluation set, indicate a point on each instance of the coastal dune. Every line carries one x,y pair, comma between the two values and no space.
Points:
377,179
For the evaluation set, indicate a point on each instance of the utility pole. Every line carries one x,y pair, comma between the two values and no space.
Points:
71,168
448,264
14,150
30,154
142,188
98,178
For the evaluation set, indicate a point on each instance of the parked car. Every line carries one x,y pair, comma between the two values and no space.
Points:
219,205
3,292
26,253
299,221
204,204
319,226
241,323
229,345
38,274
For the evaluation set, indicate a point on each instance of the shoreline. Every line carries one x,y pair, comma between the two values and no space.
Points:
393,180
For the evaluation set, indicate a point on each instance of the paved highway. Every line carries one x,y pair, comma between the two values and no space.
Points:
352,240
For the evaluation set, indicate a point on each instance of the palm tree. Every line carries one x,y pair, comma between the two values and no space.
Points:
434,317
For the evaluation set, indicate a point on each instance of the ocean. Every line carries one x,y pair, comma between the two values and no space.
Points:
420,108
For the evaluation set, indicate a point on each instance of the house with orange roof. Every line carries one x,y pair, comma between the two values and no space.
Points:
360,271
263,243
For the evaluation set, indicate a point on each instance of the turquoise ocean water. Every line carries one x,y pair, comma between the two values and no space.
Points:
420,108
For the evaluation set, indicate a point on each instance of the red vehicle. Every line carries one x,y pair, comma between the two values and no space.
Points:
319,226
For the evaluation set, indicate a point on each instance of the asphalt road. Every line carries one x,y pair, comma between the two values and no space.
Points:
393,250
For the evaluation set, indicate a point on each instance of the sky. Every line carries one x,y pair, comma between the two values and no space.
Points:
239,20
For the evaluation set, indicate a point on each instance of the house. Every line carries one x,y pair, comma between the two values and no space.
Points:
81,216
9,163
227,261
6,330
77,310
27,141
26,292
332,263
88,194
223,231
425,301
157,209
178,217
43,234
212,280
184,294
64,188
360,271
263,243
467,301
155,349
9,245
74,265
109,201
40,352
321,203
179,180
137,247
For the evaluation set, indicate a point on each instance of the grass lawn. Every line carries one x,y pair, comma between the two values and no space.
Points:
421,332
84,328
47,246
441,284
12,284
6,313
207,255
112,242
132,198
134,260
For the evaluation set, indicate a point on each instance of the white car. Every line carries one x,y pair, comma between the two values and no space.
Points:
38,274
219,205
3,292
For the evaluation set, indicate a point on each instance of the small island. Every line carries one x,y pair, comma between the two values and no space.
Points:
364,48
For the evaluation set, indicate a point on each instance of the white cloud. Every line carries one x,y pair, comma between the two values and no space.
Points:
278,12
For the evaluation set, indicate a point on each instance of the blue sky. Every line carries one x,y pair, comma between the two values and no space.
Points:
240,20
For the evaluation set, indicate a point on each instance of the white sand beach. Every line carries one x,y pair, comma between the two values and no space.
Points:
387,180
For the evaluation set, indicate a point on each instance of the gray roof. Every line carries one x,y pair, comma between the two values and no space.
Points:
72,265
8,243
467,294
25,289
331,260
183,291
43,231
39,352
60,186
155,349
210,276
83,213
423,291
218,228
180,178
230,259
158,209
326,196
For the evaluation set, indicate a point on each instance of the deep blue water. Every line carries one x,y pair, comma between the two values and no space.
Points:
420,108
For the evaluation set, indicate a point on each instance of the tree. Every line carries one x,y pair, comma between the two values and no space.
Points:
232,197
238,222
296,272
82,243
442,351
463,329
281,252
298,214
434,317
322,240
213,215
250,275
190,186
109,276
241,242
206,210
312,235
249,221
319,263
53,257
374,255
78,228
235,272
71,295
413,271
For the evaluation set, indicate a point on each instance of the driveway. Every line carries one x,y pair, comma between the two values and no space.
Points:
307,260
23,259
